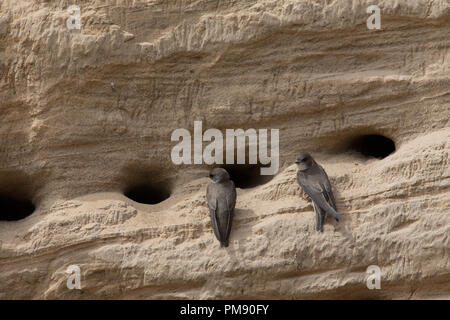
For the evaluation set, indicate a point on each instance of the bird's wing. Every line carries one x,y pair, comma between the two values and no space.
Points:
327,186
231,202
212,205
231,197
317,196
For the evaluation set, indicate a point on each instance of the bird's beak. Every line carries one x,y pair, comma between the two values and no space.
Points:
296,161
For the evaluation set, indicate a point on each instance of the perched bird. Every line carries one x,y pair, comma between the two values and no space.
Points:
113,87
314,181
221,198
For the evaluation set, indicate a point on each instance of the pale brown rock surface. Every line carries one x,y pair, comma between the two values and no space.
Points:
312,69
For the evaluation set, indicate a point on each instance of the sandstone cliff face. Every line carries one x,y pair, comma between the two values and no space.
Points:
73,147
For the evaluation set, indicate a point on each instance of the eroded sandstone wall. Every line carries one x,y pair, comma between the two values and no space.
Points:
72,145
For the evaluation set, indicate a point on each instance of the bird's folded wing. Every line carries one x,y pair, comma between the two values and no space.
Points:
212,205
318,197
215,223
231,202
328,190
331,197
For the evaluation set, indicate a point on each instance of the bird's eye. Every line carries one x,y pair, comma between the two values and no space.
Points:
304,159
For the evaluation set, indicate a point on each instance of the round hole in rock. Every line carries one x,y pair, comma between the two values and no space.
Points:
147,193
373,145
13,209
16,190
247,176
145,184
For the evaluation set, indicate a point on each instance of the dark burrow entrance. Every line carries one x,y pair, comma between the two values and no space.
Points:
247,176
144,184
148,193
12,209
373,145
16,202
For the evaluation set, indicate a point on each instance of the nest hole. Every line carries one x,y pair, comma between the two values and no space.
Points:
145,184
148,193
373,145
16,195
247,176
13,209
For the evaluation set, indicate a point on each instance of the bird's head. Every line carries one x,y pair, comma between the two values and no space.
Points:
304,161
218,175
